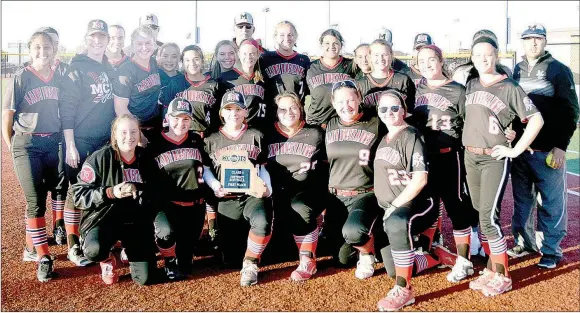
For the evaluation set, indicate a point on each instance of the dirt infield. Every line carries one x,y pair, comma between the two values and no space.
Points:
214,289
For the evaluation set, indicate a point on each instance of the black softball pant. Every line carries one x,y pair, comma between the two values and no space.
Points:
447,174
36,163
137,240
181,226
299,211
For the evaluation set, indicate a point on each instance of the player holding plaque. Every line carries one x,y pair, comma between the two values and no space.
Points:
241,193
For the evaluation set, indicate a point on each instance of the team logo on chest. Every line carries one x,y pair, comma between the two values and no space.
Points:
389,155
294,148
177,155
434,100
101,89
253,151
357,135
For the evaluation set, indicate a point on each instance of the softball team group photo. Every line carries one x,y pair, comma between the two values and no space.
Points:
361,155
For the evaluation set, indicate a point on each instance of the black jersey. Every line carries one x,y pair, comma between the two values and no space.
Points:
179,166
204,96
259,112
249,139
320,79
489,109
415,75
400,66
438,114
166,79
292,161
118,63
35,100
395,162
284,73
350,149
371,89
141,86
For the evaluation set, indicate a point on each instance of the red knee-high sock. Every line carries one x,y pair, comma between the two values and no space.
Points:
462,237
430,233
498,248
308,242
403,260
36,228
368,247
256,245
424,262
484,243
72,221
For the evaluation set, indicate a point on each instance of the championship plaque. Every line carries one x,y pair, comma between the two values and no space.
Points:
239,175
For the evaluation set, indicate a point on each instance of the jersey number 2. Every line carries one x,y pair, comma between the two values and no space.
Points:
397,178
445,122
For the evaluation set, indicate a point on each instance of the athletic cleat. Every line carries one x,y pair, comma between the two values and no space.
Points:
108,270
60,235
462,268
123,256
475,247
549,261
396,299
498,285
44,272
446,257
482,280
306,269
365,267
249,274
172,270
32,256
518,251
75,255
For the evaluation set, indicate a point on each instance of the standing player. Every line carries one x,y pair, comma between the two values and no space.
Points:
323,73
400,179
234,208
383,78
168,61
438,115
351,140
86,115
550,85
224,58
178,156
420,41
31,129
285,69
492,102
248,80
294,153
398,65
136,91
114,53
361,63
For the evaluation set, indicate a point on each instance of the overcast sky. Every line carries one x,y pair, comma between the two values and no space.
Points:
449,23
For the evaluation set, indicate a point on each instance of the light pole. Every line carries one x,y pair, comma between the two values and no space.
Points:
266,10
329,14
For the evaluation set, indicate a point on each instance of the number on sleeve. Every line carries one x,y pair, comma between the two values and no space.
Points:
200,175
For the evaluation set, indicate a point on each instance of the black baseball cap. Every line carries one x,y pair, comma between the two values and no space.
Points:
234,97
97,26
179,106
345,83
422,39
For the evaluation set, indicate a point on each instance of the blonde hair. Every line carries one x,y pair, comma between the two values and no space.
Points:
215,67
286,23
292,95
143,31
114,125
167,45
258,77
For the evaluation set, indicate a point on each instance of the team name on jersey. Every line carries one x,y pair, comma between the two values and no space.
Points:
250,90
486,99
327,78
132,175
434,100
41,93
389,155
295,148
197,96
372,98
284,68
177,155
253,151
357,135
151,81
101,88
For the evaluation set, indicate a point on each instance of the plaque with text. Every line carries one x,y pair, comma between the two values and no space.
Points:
239,175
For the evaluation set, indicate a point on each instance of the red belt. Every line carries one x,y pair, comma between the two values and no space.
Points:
348,193
486,151
198,201
445,150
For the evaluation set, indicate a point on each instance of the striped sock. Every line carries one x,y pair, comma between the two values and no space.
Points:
430,233
403,260
72,221
167,253
57,212
499,256
440,217
308,242
368,247
36,229
424,261
256,245
462,239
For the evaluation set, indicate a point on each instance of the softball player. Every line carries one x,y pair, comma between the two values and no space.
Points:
168,60
136,90
86,115
114,53
383,78
323,73
111,190
224,58
361,63
420,41
294,152
351,140
248,80
234,208
178,156
409,209
438,114
285,69
492,102
31,129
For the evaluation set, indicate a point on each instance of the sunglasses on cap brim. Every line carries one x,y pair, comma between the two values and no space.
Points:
344,83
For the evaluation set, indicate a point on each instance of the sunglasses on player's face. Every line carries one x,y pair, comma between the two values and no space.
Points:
154,27
248,26
394,109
